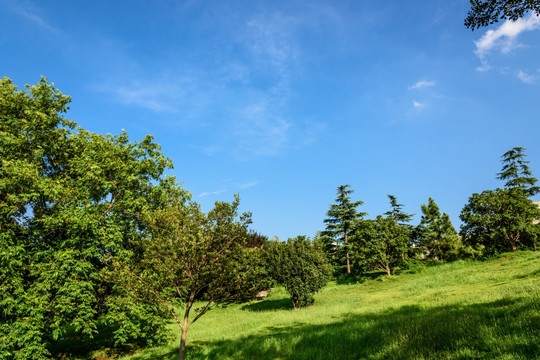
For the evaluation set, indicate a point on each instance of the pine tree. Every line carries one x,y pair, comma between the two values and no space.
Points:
340,221
396,213
516,172
437,236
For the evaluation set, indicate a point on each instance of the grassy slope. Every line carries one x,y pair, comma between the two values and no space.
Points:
462,310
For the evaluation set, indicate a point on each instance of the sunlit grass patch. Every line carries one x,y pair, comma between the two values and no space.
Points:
461,310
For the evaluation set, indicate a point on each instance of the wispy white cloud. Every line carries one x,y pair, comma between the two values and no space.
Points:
212,193
503,38
228,187
157,96
271,41
261,131
248,185
32,13
417,104
246,98
525,77
422,84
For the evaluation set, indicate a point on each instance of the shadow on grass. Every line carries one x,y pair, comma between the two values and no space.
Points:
170,353
358,279
505,328
74,346
269,305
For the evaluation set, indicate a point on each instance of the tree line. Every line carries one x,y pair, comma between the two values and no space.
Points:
494,221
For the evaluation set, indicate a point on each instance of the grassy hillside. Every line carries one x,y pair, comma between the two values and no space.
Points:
462,310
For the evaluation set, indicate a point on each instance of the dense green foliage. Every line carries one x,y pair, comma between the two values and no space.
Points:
396,212
435,236
500,220
516,172
459,310
191,255
300,267
381,245
69,200
340,221
504,219
487,12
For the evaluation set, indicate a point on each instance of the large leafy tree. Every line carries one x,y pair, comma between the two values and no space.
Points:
487,12
300,266
504,219
192,256
436,236
69,200
341,219
500,220
381,244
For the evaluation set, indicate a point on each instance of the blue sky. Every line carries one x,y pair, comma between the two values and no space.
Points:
282,101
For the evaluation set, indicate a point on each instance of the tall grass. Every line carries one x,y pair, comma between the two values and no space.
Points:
461,310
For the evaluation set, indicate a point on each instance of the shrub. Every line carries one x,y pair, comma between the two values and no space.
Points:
300,267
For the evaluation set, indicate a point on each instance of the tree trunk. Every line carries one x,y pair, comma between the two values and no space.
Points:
184,327
388,270
347,255
182,350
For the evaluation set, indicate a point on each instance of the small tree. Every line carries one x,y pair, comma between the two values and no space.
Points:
340,221
436,236
300,267
381,244
191,256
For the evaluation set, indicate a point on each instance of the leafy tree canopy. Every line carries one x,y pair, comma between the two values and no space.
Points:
501,220
381,245
192,256
487,12
69,200
300,267
504,219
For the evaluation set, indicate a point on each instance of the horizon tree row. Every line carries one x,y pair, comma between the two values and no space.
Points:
493,221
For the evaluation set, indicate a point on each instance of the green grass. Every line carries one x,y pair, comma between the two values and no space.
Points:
461,310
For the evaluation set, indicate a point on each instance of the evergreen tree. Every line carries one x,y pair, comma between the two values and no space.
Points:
516,172
340,221
436,236
397,213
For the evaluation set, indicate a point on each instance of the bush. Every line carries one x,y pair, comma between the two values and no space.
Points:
300,267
